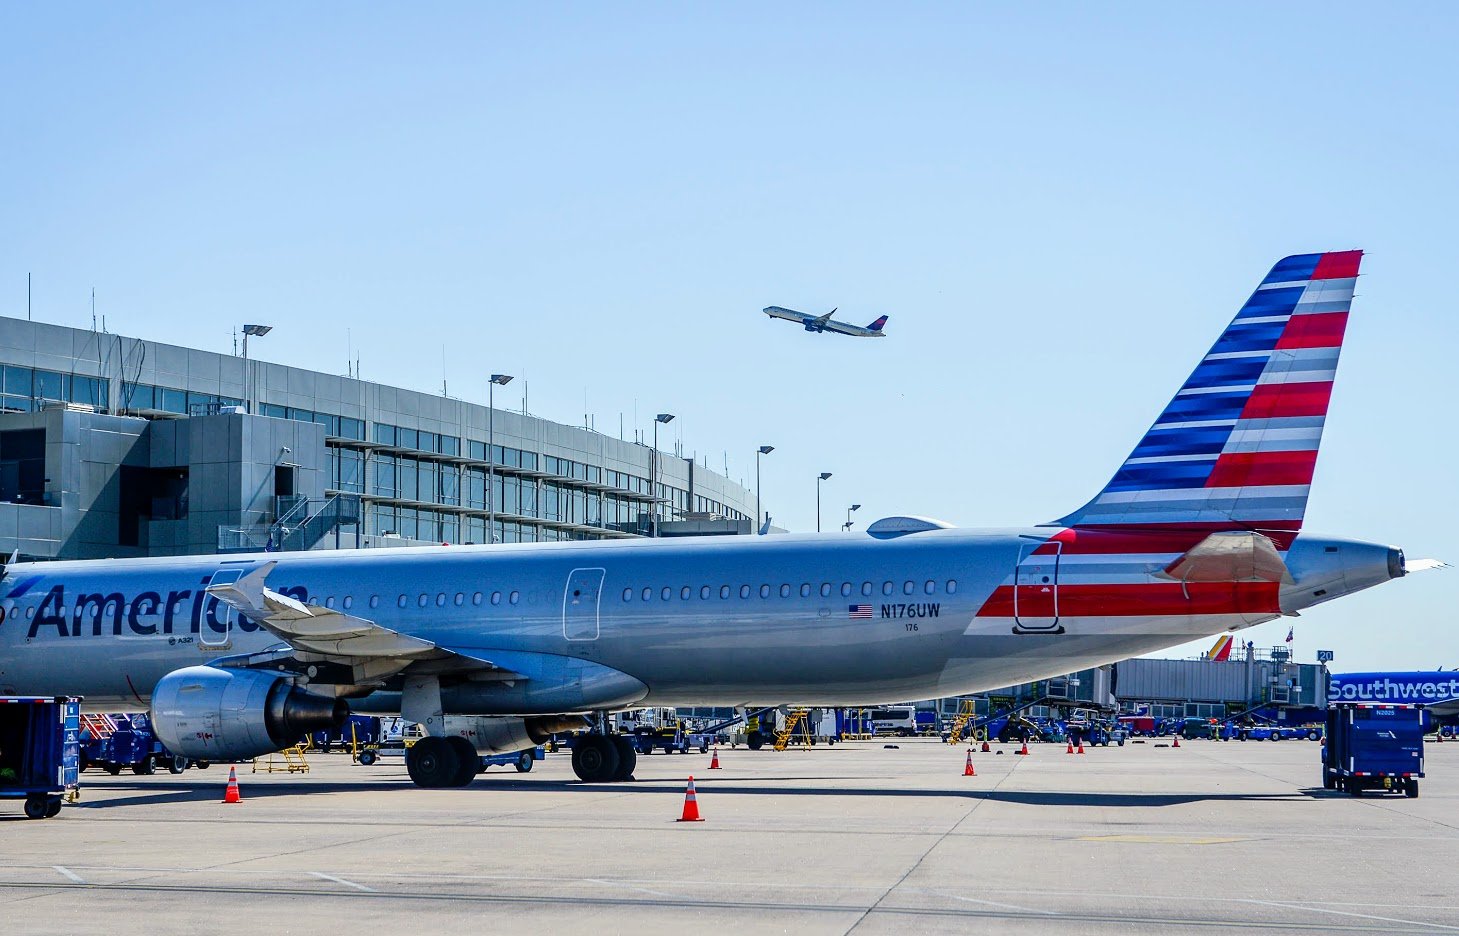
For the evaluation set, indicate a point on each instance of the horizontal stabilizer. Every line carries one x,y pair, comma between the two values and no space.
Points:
1236,556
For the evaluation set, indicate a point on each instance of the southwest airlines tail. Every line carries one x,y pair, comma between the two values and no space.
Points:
1236,447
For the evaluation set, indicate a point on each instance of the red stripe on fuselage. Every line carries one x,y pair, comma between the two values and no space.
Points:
1242,469
1320,330
1149,600
1288,399
1134,539
1339,264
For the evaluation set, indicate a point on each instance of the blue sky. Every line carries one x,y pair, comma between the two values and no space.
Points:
1059,208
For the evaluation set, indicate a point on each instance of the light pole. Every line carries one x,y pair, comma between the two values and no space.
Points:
823,476
759,515
494,382
257,331
846,527
653,483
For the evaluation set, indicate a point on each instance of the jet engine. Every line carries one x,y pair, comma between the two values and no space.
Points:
207,713
500,735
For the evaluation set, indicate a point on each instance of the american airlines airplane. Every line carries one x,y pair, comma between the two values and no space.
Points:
492,648
824,323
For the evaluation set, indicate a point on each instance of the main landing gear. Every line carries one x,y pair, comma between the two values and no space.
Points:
599,758
442,762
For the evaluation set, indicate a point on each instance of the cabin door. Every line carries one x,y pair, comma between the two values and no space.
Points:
580,600
1036,588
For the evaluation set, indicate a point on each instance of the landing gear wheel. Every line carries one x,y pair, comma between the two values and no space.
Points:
53,805
35,807
177,764
468,761
524,762
754,740
595,759
627,758
432,762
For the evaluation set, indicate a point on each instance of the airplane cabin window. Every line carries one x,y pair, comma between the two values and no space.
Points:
514,596
825,589
785,591
374,601
627,594
805,590
866,588
349,602
400,602
440,599
845,589
667,593
952,586
423,600
887,588
703,592
329,602
647,593
459,600
724,591
744,591
496,598
29,612
931,587
764,591
684,593
476,598
908,587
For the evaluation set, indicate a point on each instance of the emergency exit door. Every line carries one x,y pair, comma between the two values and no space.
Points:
1036,588
580,600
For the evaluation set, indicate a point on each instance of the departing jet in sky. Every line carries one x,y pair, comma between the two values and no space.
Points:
824,323
493,648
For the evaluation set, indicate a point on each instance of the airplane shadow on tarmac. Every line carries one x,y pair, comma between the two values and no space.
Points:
182,791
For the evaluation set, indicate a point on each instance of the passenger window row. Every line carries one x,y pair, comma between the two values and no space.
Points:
805,590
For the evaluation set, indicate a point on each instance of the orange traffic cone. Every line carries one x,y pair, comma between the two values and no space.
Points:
1071,747
1177,741
691,805
1024,749
232,795
1081,748
968,770
714,762
986,749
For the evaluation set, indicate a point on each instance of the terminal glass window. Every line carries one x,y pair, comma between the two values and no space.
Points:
384,434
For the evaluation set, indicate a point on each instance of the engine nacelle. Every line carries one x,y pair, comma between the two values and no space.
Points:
500,735
207,713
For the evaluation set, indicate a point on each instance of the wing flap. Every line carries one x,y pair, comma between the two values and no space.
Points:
1232,556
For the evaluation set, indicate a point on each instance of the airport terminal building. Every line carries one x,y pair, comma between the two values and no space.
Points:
116,447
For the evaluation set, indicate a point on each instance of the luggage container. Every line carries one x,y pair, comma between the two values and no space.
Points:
1373,746
39,752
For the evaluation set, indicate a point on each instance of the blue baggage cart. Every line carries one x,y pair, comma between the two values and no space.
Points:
39,752
1373,746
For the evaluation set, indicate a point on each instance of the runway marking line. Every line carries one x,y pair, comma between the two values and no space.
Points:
1162,839
340,880
70,875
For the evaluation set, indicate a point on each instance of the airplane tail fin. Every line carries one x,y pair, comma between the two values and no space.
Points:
879,324
1220,651
1236,447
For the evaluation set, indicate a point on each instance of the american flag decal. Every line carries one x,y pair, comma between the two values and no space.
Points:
859,612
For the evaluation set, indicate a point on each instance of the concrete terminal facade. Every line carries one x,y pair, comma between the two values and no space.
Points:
113,446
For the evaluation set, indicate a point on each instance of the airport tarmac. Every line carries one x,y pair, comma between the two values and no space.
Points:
852,838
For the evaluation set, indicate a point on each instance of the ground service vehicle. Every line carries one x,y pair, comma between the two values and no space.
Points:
899,720
1373,746
39,752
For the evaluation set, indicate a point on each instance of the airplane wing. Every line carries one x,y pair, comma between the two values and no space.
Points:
823,319
326,635
1234,556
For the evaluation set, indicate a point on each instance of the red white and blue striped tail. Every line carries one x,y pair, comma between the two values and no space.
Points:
1236,447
